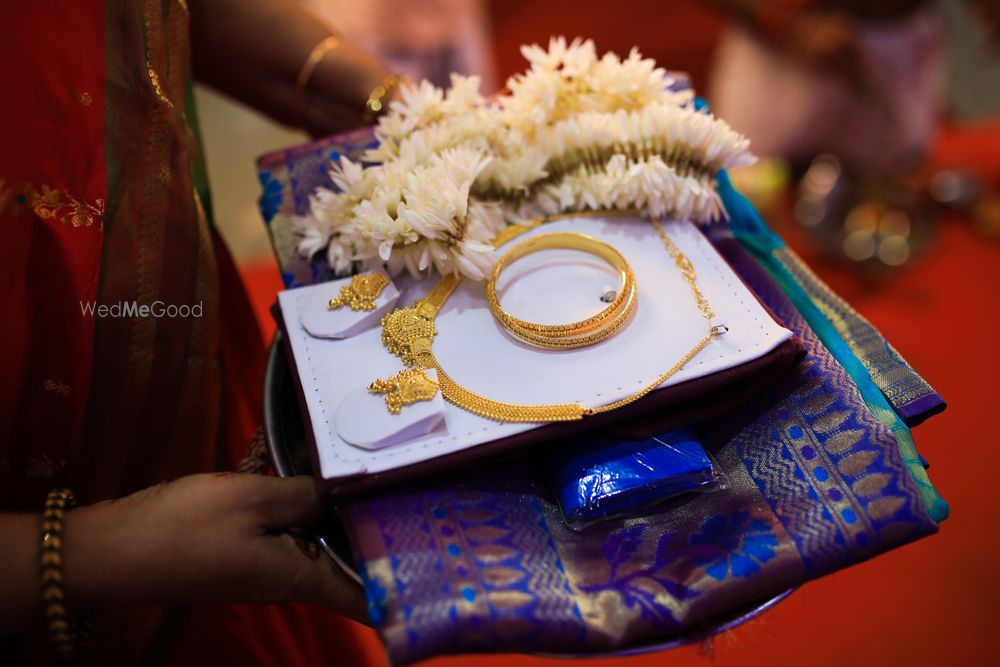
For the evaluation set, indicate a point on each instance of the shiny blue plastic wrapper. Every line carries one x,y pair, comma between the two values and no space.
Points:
604,475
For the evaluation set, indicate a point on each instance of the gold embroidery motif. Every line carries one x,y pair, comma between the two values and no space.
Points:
51,204
360,293
58,387
85,98
405,388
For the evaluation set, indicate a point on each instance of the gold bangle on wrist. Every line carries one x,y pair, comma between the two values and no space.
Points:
576,334
64,631
308,68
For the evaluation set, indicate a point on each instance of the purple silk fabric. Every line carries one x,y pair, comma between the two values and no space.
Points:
481,561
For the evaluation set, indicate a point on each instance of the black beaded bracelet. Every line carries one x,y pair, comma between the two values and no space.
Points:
65,632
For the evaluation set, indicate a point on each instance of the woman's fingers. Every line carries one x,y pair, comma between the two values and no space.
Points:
298,569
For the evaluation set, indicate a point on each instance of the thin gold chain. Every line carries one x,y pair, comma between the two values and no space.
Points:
691,354
686,269
408,333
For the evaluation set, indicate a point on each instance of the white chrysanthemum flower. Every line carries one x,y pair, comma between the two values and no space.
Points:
313,235
350,178
516,173
339,256
436,199
463,95
574,59
625,84
419,103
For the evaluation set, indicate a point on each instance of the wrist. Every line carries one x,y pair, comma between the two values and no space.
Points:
96,565
20,603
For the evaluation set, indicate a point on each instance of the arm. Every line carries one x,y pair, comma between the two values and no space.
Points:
200,538
255,50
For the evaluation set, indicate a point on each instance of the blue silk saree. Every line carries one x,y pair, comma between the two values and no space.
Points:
821,469
483,562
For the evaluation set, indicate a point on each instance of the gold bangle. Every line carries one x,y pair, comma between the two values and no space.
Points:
575,334
64,631
308,68
375,105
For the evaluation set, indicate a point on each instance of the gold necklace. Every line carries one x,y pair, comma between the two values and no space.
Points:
408,333
576,334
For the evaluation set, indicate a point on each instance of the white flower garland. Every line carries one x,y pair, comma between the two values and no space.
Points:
574,132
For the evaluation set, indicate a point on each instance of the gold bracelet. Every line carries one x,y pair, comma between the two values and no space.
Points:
409,332
375,105
64,632
576,334
308,68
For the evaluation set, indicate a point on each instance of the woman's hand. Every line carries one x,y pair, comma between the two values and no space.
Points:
254,51
201,538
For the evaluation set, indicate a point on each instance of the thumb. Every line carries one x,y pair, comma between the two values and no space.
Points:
317,578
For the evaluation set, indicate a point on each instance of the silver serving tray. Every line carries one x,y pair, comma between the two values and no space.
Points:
288,445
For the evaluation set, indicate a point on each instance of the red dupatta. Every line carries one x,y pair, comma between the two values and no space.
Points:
102,198
103,201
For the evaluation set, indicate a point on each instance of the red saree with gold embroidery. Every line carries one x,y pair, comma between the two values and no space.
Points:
103,197
103,202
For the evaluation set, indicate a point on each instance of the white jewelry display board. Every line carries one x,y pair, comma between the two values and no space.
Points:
550,287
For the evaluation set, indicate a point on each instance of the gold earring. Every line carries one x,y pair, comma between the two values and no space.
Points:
360,293
405,388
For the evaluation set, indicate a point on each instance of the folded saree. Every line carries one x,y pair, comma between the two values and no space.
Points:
483,561
856,347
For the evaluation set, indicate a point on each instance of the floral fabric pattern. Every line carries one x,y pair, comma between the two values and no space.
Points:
738,545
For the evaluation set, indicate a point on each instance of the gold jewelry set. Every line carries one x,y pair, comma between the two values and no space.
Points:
409,332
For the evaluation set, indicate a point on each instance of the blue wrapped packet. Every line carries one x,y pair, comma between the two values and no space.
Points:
604,475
